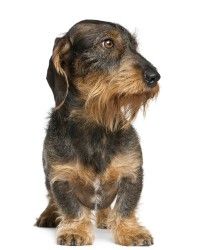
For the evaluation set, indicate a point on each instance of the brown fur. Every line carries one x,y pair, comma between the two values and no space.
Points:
72,172
75,231
127,231
115,98
50,216
61,48
91,152
102,217
81,180
123,165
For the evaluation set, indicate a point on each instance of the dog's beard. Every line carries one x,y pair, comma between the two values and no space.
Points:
114,100
116,111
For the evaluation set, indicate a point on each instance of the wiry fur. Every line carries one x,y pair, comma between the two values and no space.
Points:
109,103
91,151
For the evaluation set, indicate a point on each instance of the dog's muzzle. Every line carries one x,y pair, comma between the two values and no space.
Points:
150,73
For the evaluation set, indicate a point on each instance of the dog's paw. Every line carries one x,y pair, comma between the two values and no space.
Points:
74,240
137,237
46,221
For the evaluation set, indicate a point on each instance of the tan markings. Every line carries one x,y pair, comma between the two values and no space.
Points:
76,231
123,165
127,231
72,172
102,217
81,181
60,49
113,99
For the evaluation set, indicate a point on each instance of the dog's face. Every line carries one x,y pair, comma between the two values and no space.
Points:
102,62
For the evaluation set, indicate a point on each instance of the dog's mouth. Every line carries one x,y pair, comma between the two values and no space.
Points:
138,87
154,89
153,85
104,97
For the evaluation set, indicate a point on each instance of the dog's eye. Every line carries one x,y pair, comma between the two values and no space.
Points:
108,44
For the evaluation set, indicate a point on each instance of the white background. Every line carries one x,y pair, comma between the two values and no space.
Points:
168,34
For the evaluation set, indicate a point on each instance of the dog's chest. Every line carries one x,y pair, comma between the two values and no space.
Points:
98,195
95,147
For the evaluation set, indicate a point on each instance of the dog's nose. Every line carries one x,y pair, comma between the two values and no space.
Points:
151,77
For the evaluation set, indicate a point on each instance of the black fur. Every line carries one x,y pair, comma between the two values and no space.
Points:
129,193
73,134
71,138
66,199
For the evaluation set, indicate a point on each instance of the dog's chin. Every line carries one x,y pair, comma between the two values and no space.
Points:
131,103
106,107
154,89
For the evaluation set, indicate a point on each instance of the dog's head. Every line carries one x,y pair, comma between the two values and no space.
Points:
101,61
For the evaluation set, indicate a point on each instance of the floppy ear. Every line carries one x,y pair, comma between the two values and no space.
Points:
57,71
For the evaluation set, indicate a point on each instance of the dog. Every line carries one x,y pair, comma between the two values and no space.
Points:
92,153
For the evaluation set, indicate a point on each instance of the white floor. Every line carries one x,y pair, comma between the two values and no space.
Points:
171,230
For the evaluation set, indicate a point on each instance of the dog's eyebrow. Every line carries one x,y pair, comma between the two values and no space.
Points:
87,40
84,42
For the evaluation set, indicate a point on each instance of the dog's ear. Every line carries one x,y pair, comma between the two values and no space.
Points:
57,73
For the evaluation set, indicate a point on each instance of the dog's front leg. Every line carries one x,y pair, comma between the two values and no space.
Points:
123,222
75,227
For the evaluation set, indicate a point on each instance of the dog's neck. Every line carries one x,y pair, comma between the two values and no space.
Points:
75,108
